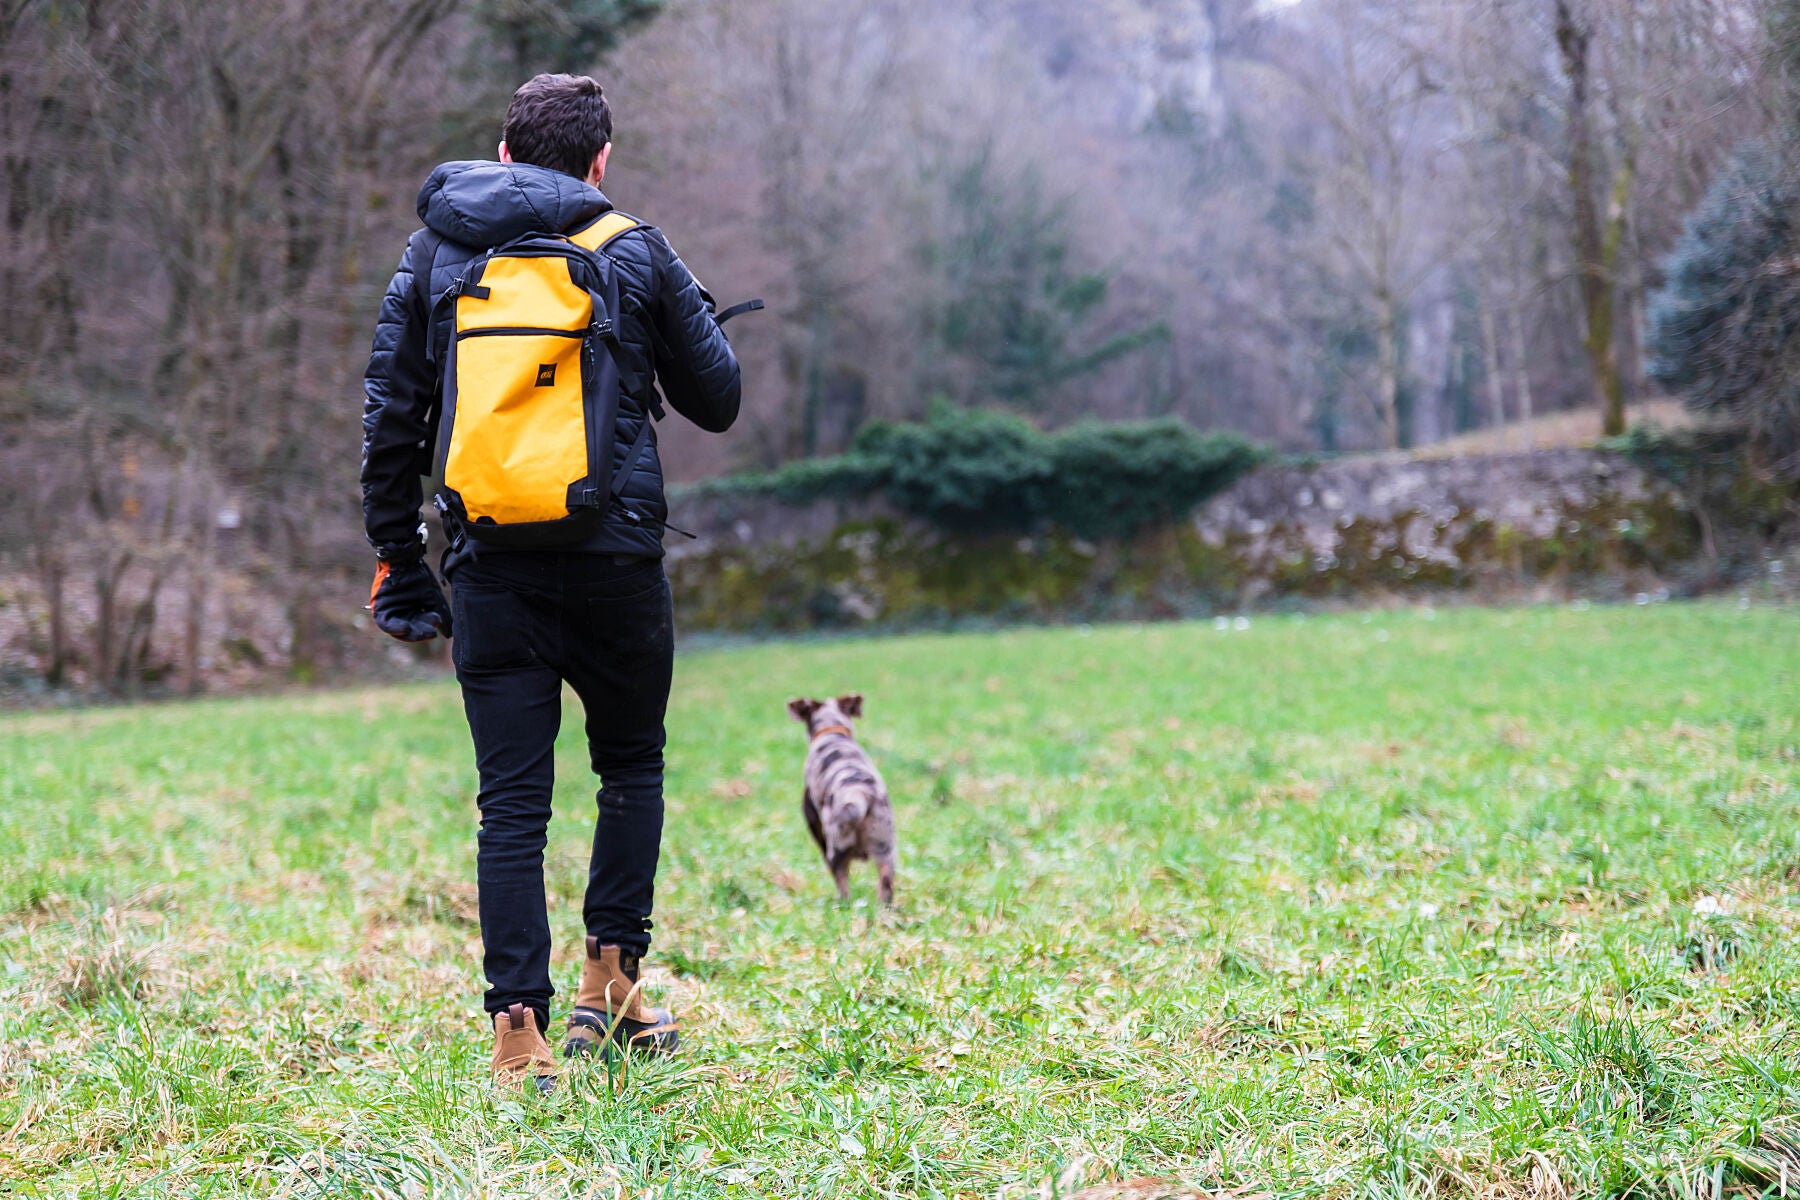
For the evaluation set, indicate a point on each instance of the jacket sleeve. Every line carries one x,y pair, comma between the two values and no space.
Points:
399,412
702,381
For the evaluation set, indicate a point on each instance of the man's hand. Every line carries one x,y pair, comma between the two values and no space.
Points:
407,603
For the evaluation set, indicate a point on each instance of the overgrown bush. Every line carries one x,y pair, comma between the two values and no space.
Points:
1741,513
1684,457
800,482
1112,479
967,471
1722,328
990,472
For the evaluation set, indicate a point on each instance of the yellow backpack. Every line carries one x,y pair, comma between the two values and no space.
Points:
531,390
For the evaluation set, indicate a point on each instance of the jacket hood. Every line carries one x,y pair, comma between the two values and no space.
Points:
481,203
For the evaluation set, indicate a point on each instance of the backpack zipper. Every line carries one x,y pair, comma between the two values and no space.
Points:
522,331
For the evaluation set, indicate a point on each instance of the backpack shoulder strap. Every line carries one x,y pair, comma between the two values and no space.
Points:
428,244
598,234
602,230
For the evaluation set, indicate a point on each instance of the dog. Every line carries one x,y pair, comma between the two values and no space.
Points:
846,802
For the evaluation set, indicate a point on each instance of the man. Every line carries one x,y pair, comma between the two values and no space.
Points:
595,614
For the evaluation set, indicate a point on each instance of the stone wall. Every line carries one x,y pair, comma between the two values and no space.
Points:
1554,516
1494,527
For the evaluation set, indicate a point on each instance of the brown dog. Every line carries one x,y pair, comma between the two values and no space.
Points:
847,805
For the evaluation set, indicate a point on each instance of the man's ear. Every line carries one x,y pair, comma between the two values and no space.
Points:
505,154
803,709
851,705
597,171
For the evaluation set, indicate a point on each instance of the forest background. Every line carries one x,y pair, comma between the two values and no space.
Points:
1325,225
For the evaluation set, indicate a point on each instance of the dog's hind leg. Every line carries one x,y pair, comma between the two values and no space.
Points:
840,872
812,820
882,847
884,867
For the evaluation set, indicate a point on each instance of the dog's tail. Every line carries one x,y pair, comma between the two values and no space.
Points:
851,804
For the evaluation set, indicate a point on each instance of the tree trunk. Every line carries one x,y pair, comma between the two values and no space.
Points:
813,398
106,616
139,638
52,572
1387,353
1631,335
1490,364
303,640
1521,368
199,566
1597,241
303,637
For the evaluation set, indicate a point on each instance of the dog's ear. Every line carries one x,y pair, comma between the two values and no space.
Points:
803,709
851,705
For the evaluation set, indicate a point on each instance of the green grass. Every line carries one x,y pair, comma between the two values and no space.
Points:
1335,906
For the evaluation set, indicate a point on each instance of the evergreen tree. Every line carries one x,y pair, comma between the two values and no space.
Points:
561,35
1015,321
1723,327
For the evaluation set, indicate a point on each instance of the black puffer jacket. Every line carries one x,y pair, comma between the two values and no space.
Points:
472,207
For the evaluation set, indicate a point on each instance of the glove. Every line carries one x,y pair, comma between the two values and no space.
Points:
407,603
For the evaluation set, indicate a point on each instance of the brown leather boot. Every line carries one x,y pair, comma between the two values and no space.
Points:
610,1012
520,1051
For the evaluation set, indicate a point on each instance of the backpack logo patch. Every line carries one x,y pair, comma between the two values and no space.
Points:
546,375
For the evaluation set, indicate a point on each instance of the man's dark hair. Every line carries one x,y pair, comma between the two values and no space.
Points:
560,122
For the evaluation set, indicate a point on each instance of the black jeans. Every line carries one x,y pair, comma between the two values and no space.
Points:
525,622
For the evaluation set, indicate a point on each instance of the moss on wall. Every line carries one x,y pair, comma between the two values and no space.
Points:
894,573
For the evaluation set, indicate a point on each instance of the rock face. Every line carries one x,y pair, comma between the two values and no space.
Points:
1443,519
1135,62
1494,527
1165,49
1525,491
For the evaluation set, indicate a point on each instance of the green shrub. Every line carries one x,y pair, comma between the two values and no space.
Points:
991,472
800,482
1684,457
1109,480
964,471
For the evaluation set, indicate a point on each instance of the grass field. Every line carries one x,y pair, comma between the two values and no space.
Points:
1482,904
